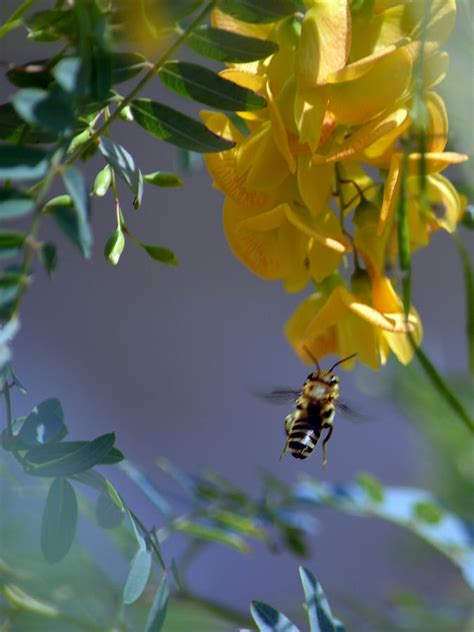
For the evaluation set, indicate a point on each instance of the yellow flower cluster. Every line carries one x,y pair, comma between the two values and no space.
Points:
315,177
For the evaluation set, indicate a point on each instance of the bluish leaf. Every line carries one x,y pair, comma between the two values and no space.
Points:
270,620
319,613
15,204
75,462
123,163
54,451
76,187
126,65
108,515
137,576
58,526
229,47
11,244
176,128
157,614
67,73
44,424
48,109
22,162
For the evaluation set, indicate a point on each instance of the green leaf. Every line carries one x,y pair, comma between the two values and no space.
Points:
157,614
51,25
107,513
85,457
319,613
163,179
44,424
34,74
371,486
137,576
237,523
176,128
48,256
427,512
229,47
114,247
58,525
258,11
204,85
76,187
15,204
163,255
468,274
10,284
126,65
22,162
211,534
270,620
53,451
48,109
122,162
11,244
14,20
468,218
24,601
15,130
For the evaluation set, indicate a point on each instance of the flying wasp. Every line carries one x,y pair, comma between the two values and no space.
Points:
316,404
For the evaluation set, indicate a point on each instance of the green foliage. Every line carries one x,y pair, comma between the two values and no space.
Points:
58,526
258,11
229,47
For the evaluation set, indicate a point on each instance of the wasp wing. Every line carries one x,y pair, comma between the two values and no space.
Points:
350,412
278,395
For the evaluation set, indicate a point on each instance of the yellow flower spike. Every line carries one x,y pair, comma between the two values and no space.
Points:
379,153
325,41
222,166
315,183
386,82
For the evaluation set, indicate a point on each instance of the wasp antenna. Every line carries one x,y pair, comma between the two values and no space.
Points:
353,355
313,358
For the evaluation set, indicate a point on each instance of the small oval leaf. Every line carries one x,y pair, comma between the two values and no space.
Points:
22,162
137,576
44,424
177,128
163,179
76,187
85,457
58,526
163,255
122,162
14,204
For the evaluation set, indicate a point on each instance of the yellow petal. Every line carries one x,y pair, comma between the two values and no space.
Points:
301,219
361,67
355,335
315,184
259,162
401,343
437,134
279,133
386,128
309,110
445,202
325,40
258,250
386,82
383,30
292,248
390,193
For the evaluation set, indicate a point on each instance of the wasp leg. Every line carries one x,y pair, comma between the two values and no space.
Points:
326,439
285,450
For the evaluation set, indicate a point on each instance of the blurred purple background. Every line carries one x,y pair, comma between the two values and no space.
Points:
167,358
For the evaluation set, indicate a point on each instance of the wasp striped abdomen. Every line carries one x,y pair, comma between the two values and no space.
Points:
302,436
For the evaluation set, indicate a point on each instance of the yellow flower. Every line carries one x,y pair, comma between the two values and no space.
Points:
368,321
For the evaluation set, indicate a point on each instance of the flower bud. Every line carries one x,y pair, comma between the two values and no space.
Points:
114,247
102,181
